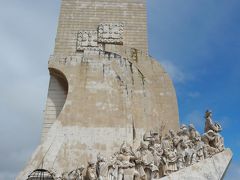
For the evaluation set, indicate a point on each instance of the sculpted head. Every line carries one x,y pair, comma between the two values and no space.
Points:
125,148
191,127
100,158
184,129
172,133
167,137
143,146
208,113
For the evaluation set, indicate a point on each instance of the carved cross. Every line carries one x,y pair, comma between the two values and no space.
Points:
86,39
111,33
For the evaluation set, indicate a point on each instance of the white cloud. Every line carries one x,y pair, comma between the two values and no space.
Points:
194,94
174,71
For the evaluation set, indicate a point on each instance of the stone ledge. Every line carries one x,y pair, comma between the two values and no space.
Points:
212,168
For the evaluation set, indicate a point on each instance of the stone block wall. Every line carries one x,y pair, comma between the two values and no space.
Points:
84,15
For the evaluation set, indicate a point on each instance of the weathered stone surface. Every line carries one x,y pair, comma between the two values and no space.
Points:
209,169
109,100
88,14
103,89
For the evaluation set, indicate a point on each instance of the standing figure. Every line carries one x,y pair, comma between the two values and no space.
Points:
185,147
101,167
64,176
91,171
169,156
200,151
145,162
177,144
76,174
213,141
170,161
153,138
194,135
112,173
209,124
126,167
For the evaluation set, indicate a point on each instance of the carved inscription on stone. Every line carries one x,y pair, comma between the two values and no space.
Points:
111,33
86,39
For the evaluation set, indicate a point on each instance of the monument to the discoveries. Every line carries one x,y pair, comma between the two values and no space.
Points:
104,87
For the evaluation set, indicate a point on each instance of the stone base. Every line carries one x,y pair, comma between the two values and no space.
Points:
209,169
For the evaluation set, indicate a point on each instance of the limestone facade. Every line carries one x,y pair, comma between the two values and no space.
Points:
104,87
85,15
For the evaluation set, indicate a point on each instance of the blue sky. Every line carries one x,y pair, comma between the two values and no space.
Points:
198,43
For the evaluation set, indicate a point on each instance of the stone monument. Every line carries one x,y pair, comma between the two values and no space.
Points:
106,93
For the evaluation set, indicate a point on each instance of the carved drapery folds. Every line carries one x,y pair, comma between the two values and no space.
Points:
106,33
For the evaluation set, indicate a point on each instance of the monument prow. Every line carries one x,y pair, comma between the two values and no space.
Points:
213,168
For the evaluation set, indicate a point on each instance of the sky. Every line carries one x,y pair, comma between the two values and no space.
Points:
197,42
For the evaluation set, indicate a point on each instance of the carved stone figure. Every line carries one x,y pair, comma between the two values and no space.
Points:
91,171
76,174
113,168
174,138
155,158
126,167
184,133
157,154
134,54
145,164
102,168
152,137
64,176
141,151
194,135
180,148
200,154
213,141
209,124
170,161
186,146
167,142
180,161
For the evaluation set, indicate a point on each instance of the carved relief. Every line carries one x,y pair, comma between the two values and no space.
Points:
86,39
111,33
157,155
134,54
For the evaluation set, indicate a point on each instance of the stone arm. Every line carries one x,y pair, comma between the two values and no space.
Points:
209,125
